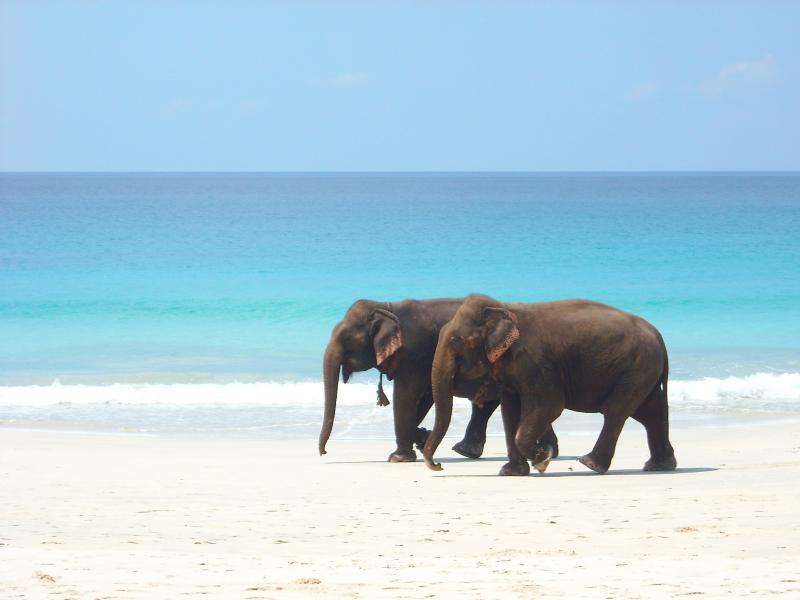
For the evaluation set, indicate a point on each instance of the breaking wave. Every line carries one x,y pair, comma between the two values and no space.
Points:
768,392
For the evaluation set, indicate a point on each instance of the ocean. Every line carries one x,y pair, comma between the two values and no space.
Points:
200,304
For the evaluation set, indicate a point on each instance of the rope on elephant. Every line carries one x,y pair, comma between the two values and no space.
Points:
382,399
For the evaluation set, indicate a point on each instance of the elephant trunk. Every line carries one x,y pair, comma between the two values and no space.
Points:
442,374
330,371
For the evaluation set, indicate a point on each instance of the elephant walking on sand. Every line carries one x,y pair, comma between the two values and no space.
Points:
546,357
399,339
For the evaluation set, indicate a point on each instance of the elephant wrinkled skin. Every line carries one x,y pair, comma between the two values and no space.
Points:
399,339
546,357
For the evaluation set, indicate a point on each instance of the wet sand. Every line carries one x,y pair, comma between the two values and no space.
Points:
115,517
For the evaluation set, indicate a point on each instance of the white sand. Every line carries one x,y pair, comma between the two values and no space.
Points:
90,516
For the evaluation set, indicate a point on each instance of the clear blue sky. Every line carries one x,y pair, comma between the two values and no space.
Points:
420,86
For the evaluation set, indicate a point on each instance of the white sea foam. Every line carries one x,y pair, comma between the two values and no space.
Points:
759,392
187,394
771,392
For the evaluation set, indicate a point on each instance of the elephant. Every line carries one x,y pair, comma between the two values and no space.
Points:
399,339
545,357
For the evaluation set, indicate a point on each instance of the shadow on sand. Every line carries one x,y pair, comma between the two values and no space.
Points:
503,459
611,473
454,459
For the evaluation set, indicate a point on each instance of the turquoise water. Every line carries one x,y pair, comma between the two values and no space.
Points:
215,278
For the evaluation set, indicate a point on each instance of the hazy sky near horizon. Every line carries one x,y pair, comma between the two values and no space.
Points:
403,86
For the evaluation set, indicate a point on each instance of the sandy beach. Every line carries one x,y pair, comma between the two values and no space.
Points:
113,517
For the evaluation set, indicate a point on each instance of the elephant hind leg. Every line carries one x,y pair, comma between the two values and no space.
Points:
549,437
475,435
620,404
654,415
599,459
421,434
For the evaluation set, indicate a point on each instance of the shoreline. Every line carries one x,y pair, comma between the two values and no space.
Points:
117,516
570,423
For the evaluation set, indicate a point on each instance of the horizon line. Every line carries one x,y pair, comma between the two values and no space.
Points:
412,172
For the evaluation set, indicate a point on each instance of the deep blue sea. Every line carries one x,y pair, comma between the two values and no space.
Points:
203,302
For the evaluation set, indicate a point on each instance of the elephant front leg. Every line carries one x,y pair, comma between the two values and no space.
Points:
475,435
405,406
516,465
531,432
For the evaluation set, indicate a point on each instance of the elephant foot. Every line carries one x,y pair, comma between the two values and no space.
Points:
667,463
515,468
421,437
469,449
543,458
591,461
399,456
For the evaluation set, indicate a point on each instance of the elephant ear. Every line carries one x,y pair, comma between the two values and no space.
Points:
502,331
386,336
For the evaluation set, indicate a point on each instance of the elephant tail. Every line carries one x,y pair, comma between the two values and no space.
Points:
662,383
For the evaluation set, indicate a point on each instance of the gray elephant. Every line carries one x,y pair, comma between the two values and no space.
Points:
546,357
399,339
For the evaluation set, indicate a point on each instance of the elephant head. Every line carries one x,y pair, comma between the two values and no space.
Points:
369,336
480,332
